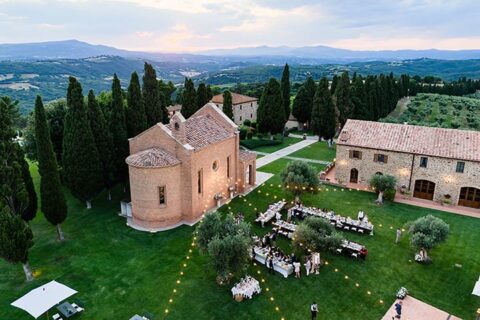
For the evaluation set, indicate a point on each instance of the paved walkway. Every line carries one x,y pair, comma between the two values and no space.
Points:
414,309
296,158
282,153
300,136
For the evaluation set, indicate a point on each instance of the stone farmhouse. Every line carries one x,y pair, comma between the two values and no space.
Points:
181,170
431,163
244,107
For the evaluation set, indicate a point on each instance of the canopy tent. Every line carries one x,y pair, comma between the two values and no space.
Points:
40,300
476,289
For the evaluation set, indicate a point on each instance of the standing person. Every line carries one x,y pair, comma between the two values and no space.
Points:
270,266
363,253
399,234
296,266
398,310
308,266
314,310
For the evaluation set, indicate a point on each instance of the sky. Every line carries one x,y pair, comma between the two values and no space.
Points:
193,25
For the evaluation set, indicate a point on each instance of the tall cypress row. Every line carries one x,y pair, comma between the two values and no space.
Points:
285,84
209,93
189,103
323,113
156,112
118,130
271,111
103,141
344,102
227,104
136,116
202,98
31,210
53,203
82,167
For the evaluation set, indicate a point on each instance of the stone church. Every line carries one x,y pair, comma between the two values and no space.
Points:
181,170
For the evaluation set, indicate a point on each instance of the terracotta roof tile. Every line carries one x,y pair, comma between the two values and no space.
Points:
204,130
437,142
247,156
236,98
152,158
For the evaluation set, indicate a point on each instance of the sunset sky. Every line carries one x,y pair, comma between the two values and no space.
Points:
189,25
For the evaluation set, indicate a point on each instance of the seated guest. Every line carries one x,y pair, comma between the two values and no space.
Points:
363,253
361,215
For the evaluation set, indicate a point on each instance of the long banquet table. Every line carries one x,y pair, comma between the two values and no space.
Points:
285,269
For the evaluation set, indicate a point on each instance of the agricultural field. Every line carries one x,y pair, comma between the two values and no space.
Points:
435,110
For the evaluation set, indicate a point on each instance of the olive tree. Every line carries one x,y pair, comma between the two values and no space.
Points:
381,183
227,244
316,234
427,232
299,177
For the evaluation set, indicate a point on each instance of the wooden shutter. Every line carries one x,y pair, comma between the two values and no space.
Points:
385,159
375,157
360,155
350,153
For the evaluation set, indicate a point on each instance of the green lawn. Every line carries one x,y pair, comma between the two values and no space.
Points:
287,141
316,151
119,271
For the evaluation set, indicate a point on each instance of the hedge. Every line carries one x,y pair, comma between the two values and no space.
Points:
256,143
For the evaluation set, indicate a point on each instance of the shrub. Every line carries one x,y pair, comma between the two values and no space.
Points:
253,124
249,135
278,137
260,135
247,123
253,144
390,194
243,133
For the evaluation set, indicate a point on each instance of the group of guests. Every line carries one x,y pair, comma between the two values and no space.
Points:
312,265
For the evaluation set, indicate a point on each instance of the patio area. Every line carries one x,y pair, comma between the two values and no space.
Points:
414,309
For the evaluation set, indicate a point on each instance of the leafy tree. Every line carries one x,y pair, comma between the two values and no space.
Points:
227,104
189,103
81,163
303,103
381,183
202,97
316,234
227,243
323,113
427,232
103,141
53,203
156,112
299,177
271,110
13,192
118,129
136,116
343,99
285,85
16,239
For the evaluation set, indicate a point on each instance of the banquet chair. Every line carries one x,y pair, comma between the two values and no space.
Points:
56,317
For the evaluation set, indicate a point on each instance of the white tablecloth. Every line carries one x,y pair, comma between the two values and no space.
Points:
285,269
247,287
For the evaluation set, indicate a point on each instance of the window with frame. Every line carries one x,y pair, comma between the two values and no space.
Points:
460,167
355,154
240,107
240,118
200,181
423,162
162,195
378,157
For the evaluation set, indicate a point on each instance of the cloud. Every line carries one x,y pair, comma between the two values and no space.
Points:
144,34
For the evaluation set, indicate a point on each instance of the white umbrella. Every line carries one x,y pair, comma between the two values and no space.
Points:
40,300
476,289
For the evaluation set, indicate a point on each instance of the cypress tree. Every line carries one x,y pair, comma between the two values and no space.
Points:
189,105
302,109
166,89
13,192
359,100
202,98
285,84
81,163
323,113
53,203
343,99
16,239
209,93
136,116
118,130
334,84
103,141
156,112
227,104
31,210
271,110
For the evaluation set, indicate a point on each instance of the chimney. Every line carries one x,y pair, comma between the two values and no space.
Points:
177,124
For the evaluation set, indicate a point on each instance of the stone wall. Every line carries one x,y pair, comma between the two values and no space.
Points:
441,171
243,111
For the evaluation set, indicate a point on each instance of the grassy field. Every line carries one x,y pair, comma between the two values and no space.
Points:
119,271
316,151
437,110
287,141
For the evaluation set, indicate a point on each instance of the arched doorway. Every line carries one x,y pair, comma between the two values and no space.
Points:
379,173
469,197
424,189
354,176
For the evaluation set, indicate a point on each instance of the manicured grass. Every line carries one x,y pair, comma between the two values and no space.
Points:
119,271
287,141
317,151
